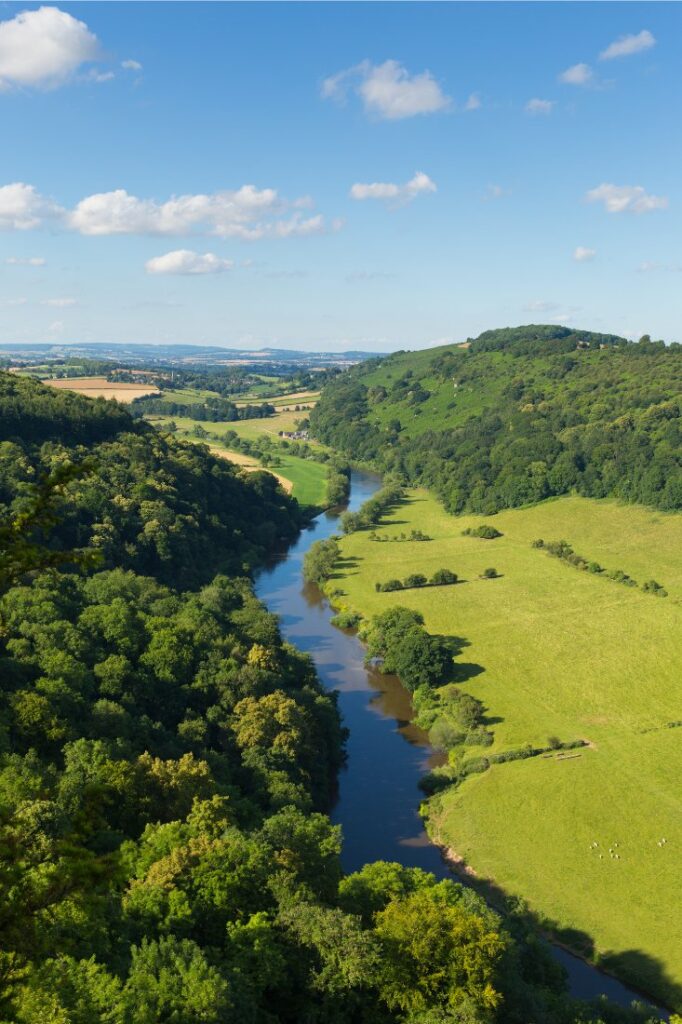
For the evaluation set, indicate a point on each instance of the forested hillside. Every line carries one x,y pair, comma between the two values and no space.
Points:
518,415
149,502
165,759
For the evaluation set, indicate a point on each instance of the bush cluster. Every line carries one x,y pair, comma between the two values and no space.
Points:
440,578
485,532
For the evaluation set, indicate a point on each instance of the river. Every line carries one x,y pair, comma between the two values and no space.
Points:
378,795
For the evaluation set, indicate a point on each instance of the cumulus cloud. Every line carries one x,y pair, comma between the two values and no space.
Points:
625,46
60,303
397,194
474,102
626,198
582,254
43,48
536,106
131,65
22,207
185,261
578,74
247,213
56,327
388,90
26,261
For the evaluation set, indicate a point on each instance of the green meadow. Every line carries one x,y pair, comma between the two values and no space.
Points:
553,651
309,479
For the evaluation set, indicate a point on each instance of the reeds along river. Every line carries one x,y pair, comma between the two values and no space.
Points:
378,794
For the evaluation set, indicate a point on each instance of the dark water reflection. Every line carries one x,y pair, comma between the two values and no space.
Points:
378,792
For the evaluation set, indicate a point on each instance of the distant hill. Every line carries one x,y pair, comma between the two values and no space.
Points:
518,415
182,354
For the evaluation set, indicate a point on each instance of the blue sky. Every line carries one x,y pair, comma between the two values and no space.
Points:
512,163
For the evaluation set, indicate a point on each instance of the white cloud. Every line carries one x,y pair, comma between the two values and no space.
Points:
578,74
184,261
26,261
58,303
131,65
247,213
495,192
536,106
101,76
43,48
388,90
581,254
626,198
541,307
22,207
554,311
399,194
625,46
56,327
650,266
14,302
474,102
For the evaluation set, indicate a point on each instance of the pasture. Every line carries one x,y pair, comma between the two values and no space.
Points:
307,480
100,387
553,651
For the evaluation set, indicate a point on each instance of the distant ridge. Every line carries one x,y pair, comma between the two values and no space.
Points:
145,352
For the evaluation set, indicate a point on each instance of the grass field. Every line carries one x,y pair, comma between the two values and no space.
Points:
551,651
188,396
308,479
100,387
251,429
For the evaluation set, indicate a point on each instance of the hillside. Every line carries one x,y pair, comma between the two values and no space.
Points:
519,415
151,502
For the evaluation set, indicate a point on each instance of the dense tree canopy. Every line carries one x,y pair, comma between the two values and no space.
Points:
166,759
152,503
521,415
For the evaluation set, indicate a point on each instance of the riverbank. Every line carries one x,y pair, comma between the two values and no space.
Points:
542,648
387,754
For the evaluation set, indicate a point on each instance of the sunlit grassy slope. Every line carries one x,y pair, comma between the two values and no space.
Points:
555,651
309,478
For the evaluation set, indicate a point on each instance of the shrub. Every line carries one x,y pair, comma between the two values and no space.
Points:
346,620
489,574
443,577
484,531
618,576
652,587
415,579
388,586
